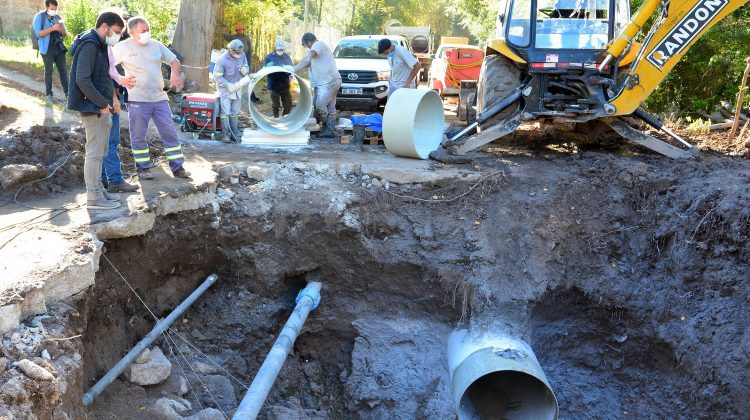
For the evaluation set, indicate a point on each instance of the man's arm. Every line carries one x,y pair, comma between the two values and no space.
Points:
219,73
84,69
174,79
63,32
413,74
39,24
305,63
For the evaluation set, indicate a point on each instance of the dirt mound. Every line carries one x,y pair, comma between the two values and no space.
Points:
34,154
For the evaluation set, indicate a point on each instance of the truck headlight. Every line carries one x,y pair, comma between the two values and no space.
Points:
384,75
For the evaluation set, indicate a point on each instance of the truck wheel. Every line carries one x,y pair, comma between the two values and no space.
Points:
498,77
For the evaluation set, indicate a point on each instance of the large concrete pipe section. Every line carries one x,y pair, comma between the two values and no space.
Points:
413,123
497,377
291,122
307,300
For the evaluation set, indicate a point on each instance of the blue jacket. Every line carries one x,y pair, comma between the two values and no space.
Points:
91,88
277,82
41,22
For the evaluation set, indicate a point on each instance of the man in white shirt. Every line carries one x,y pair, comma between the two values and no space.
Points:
142,57
327,81
404,66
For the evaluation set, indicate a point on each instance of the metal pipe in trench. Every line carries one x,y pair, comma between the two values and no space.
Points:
160,327
307,300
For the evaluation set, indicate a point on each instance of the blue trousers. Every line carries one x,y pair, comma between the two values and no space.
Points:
111,167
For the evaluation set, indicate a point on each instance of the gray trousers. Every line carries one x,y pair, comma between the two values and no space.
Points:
325,97
97,139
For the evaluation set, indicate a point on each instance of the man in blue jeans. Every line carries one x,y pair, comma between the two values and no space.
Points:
49,29
112,178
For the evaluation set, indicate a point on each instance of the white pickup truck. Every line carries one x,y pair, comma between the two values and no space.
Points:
364,72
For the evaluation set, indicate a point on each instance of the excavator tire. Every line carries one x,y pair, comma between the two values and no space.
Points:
498,77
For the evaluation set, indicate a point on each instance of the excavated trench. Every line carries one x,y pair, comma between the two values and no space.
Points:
627,278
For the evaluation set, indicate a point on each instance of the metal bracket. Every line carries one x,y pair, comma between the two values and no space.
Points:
492,133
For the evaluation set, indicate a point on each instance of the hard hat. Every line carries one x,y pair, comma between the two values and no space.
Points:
236,45
279,45
239,26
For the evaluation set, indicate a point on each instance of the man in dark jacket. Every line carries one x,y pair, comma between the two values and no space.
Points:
278,83
92,94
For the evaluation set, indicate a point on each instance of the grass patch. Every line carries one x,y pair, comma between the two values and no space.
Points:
18,55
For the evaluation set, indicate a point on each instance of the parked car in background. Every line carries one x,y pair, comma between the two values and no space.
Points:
364,72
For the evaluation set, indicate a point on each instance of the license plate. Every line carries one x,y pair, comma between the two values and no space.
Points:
351,91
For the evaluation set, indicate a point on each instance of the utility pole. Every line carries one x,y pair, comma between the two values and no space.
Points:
307,16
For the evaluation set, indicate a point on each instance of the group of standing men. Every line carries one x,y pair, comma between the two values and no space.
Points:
94,89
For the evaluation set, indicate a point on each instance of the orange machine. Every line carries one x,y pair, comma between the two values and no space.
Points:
453,64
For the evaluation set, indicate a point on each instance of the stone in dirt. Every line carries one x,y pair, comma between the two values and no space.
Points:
143,357
258,173
205,368
12,176
34,371
3,364
220,388
155,370
207,414
165,408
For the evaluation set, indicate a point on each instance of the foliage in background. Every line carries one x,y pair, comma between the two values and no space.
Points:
263,19
710,72
80,16
160,14
478,16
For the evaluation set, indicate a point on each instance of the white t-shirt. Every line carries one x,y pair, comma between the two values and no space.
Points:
144,62
401,64
323,66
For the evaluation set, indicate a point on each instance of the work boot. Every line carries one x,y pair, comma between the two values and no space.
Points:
234,122
101,204
122,187
145,175
181,173
326,129
225,130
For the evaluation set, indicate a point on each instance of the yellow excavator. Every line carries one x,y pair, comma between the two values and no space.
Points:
579,62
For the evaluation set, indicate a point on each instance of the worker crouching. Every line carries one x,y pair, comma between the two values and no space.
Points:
229,70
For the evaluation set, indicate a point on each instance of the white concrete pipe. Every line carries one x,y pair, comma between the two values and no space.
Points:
413,123
291,122
498,377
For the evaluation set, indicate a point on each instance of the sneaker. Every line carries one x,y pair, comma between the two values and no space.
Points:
122,187
111,197
145,174
102,204
182,173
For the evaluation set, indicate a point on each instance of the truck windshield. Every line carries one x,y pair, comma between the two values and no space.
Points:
357,48
572,24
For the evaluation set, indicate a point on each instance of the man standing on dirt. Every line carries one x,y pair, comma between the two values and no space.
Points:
92,95
50,31
230,68
278,83
404,66
327,81
142,57
112,167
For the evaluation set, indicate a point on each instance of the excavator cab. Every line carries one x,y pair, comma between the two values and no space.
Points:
577,62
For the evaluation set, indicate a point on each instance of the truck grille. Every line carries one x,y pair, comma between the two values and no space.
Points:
352,76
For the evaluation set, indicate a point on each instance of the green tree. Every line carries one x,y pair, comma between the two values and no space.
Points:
160,14
80,16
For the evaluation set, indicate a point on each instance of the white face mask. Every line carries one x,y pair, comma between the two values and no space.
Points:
144,37
112,40
279,52
52,13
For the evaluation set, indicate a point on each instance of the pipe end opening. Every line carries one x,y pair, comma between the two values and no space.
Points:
508,395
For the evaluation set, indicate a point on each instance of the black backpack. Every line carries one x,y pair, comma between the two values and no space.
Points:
34,38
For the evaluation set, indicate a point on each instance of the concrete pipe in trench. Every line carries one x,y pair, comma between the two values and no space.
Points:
413,123
291,122
497,377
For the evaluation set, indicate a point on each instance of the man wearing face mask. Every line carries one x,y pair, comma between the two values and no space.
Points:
229,69
142,57
327,78
404,66
278,83
92,95
50,30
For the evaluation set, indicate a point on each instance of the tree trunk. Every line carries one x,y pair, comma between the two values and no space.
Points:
194,37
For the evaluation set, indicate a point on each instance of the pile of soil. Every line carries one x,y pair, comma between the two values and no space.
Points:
38,152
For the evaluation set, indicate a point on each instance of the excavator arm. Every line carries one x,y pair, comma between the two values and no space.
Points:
679,25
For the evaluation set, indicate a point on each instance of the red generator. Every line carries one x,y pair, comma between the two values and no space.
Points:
200,114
